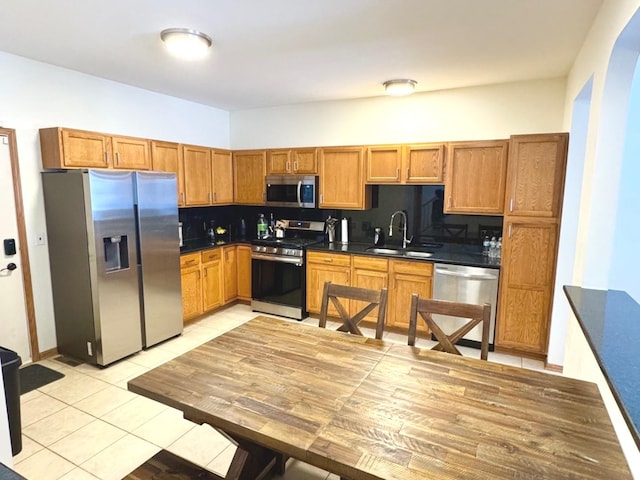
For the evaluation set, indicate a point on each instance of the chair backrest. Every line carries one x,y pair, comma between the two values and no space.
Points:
373,298
475,313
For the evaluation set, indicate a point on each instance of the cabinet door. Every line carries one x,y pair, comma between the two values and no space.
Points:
249,173
371,273
243,263
342,178
526,285
279,162
222,177
230,267
475,177
305,161
86,149
212,279
321,268
384,164
536,175
191,291
423,163
167,157
405,279
131,153
197,175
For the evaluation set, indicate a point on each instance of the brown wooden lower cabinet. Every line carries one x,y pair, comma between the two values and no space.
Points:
526,284
401,277
405,279
214,277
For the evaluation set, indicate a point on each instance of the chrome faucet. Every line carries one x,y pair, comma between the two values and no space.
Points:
405,242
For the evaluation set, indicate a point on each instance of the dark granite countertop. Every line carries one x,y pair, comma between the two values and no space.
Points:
610,321
204,244
457,254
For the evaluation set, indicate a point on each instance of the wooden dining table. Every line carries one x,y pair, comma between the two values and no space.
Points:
372,409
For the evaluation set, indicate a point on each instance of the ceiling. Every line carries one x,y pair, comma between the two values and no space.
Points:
278,52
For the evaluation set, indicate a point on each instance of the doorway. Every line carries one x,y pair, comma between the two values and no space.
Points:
18,326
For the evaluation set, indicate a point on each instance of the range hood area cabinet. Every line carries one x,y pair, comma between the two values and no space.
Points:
533,208
299,161
68,148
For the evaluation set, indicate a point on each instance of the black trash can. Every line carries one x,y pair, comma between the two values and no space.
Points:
11,362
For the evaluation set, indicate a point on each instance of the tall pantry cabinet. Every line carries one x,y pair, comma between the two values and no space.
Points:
533,200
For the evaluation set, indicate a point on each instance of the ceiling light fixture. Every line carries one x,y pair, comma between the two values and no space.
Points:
186,43
400,87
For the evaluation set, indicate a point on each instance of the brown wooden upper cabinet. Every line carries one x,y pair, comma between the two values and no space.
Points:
197,175
342,175
300,161
222,177
167,157
249,168
475,177
536,175
68,148
417,164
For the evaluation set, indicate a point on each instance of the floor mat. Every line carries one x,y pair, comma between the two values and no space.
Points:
36,376
167,466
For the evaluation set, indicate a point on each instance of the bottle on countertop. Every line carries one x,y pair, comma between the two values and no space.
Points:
493,247
263,228
485,246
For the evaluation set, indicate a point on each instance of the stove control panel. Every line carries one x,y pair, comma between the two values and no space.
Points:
279,251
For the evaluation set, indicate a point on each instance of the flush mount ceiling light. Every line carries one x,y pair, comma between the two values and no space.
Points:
400,87
186,43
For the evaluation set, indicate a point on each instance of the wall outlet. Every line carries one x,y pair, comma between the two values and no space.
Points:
40,239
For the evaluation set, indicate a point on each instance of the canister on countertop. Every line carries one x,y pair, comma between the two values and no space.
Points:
344,230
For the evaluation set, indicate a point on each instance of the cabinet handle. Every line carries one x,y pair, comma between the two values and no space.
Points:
117,159
511,205
205,272
199,274
288,164
398,173
215,196
407,174
320,198
182,196
210,198
449,202
328,259
106,158
509,234
189,262
295,166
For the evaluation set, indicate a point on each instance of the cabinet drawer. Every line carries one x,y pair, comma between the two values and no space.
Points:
415,268
370,263
211,255
189,260
331,258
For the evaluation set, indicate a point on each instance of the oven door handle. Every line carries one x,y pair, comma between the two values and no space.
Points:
300,193
272,258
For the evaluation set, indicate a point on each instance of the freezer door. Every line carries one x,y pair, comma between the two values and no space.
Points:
159,256
463,284
116,296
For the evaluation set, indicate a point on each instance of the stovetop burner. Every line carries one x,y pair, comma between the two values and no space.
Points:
298,234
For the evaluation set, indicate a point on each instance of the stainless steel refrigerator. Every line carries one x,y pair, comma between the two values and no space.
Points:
115,261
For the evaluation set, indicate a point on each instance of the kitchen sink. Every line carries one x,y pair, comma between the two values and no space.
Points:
384,251
417,254
399,252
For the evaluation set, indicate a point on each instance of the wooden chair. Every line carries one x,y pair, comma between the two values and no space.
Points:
475,313
375,298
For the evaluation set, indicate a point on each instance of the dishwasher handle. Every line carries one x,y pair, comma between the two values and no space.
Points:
469,276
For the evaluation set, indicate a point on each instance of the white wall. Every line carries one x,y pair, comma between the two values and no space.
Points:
481,113
34,95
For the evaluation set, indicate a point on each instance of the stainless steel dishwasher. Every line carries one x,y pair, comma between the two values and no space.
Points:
457,283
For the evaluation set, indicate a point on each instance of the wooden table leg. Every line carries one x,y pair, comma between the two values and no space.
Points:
253,462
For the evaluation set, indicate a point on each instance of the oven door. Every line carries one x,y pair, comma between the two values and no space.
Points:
278,285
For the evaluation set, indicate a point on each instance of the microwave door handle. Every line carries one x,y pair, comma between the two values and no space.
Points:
299,193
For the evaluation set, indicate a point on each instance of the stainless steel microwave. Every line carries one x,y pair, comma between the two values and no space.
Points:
292,191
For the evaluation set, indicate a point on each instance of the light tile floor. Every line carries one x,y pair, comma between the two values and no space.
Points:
88,426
